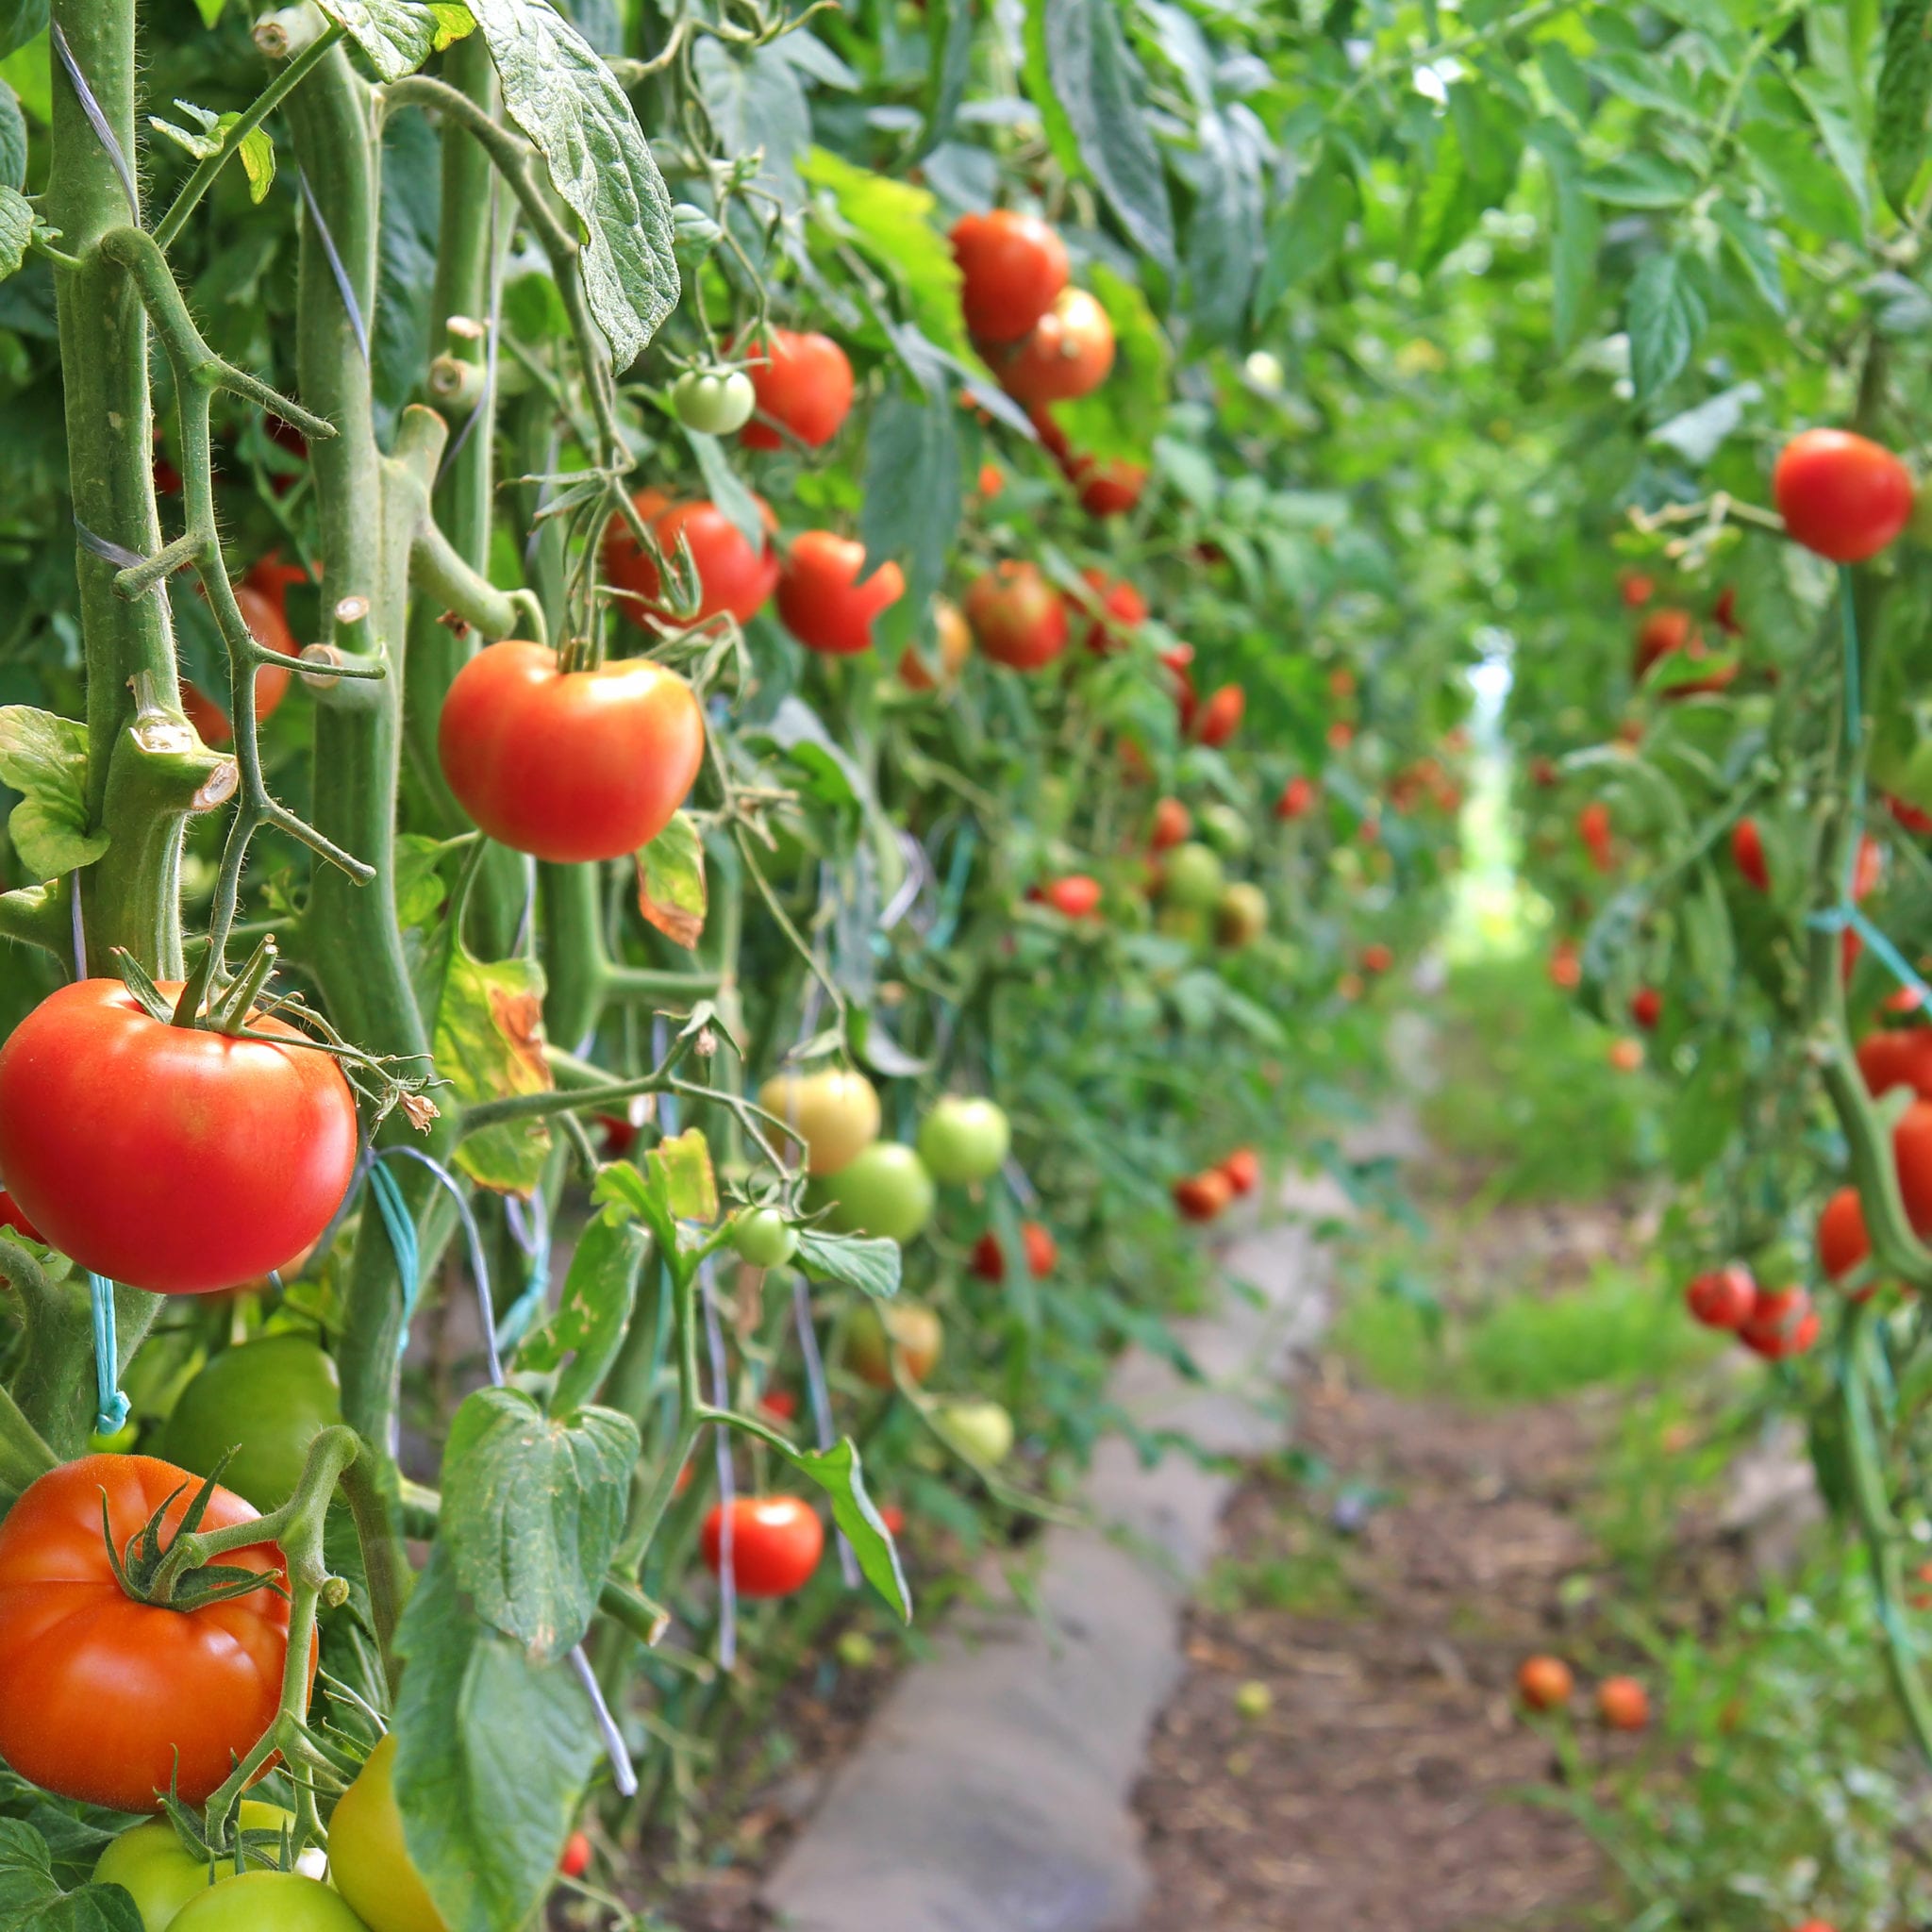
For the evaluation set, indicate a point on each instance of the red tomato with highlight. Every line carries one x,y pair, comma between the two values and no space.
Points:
804,384
775,1543
1109,489
577,1855
1244,1169
1203,1196
1220,716
1723,1297
1646,1007
732,575
570,765
1069,352
1122,609
1076,896
170,1158
1842,494
1544,1683
262,613
1747,854
1018,618
822,599
1013,268
99,1692
1622,1704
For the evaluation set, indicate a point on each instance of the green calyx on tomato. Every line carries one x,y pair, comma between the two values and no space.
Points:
158,1870
964,1140
764,1237
714,402
367,1857
264,1400
884,1191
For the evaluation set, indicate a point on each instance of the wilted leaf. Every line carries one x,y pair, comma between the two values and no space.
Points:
490,1046
671,881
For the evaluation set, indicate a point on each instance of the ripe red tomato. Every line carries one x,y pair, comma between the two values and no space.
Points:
775,1543
1566,966
1911,1147
1069,352
804,384
1340,735
262,613
1076,896
993,479
822,600
98,1693
1593,828
1841,494
732,576
1109,489
170,1158
1747,854
1244,1169
571,765
893,1518
1868,867
1042,1253
1018,618
1177,664
1898,1060
1221,715
1627,1056
1013,267
1377,959
1202,1197
1636,589
781,1405
1914,821
1622,1704
1723,1297
1662,632
1122,609
955,645
1173,822
1646,1007
11,1217
1544,1683
577,1855
1782,1323
1842,1242
1297,796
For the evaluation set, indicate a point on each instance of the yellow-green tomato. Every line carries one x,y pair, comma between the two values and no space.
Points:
963,1139
1190,876
268,1401
268,1902
879,1327
982,1430
1241,916
764,1237
717,402
834,1115
152,1865
884,1191
1226,828
367,1858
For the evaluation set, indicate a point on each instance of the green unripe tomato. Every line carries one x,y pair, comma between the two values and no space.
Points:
764,1237
367,1857
266,1400
268,1902
152,1865
982,1430
858,1650
963,1139
714,402
1191,878
879,1327
885,1191
1226,828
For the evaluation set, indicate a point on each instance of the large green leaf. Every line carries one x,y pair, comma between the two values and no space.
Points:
20,20
1475,165
1224,235
493,1753
756,106
1665,317
32,1900
837,1471
532,1508
1307,231
1084,79
913,499
580,1341
45,757
568,102
1905,94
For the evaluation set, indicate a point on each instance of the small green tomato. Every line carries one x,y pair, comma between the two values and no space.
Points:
715,401
764,1237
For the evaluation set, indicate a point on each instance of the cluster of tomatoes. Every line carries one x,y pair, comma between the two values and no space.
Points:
1207,1195
1547,1684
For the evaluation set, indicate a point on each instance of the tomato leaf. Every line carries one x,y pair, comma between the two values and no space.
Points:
397,36
1305,232
493,1753
583,1335
12,140
532,1508
837,1471
489,1046
913,499
31,1899
683,1162
1905,94
45,757
860,1261
671,881
1665,316
20,20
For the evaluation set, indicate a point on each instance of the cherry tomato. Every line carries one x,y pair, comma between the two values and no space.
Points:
1747,854
1240,914
804,385
880,1328
1782,1323
266,625
1898,1060
775,1543
1636,589
823,603
267,1400
1297,798
1121,609
1244,1169
1076,896
1646,1007
1042,1253
885,1191
834,1114
368,1859
732,576
11,1217
1192,875
764,1237
1627,1056
103,1698
1109,489
1662,632
983,1431
1544,1683
577,1855
1221,715
993,479
1842,1242
170,1158
1868,867
1566,966
152,1865
1018,618
1172,822
714,402
268,1902
893,1518
1202,1197
1841,495
570,765
964,1140
955,645
781,1405
1013,266
1377,959
1622,1704
1723,1297
1911,1147
1069,352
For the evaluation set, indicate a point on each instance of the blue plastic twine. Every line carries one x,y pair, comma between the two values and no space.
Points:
111,1412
